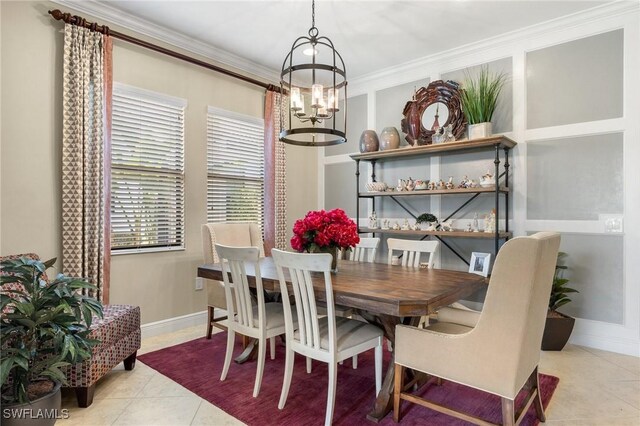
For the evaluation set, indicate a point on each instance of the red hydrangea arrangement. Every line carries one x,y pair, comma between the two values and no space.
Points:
322,230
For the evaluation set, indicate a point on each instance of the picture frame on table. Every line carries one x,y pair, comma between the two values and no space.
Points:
479,263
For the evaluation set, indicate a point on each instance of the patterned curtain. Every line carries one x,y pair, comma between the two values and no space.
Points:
275,232
83,171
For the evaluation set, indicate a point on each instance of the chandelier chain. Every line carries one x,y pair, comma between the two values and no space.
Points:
313,13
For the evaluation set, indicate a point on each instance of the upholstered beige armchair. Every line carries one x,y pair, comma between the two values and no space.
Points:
229,234
497,350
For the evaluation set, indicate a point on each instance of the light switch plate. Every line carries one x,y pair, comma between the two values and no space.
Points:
199,283
613,223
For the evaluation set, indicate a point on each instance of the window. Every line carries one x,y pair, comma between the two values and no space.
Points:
235,167
147,171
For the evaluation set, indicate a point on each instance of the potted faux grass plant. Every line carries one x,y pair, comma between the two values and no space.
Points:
479,98
44,327
558,326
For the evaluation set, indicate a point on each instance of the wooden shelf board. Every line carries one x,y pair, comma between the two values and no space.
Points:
441,148
455,233
457,191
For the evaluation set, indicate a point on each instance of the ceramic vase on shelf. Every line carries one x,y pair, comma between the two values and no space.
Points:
369,141
389,138
480,130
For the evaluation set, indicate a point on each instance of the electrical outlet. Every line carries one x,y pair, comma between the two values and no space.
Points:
199,283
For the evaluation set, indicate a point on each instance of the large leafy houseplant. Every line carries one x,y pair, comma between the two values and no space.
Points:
558,326
559,290
44,327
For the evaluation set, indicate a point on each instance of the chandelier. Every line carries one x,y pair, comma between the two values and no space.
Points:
313,74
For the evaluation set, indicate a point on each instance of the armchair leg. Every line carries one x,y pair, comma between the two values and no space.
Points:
397,389
508,413
130,361
537,402
210,310
85,395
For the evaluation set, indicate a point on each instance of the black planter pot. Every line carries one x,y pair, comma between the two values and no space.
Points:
43,411
557,331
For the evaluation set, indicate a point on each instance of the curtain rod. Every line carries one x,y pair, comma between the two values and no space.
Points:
58,15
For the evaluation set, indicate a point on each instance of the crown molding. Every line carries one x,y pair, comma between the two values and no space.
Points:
377,78
106,12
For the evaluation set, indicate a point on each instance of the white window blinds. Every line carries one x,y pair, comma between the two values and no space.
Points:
147,171
235,167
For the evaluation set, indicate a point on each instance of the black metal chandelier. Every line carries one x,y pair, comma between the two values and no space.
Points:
317,117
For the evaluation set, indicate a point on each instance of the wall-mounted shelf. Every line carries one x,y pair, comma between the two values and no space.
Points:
438,149
495,143
457,191
453,234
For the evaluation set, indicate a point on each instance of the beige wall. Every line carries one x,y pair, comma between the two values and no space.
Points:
161,283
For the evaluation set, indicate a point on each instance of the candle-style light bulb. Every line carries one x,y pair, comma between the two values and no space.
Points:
322,110
295,99
333,99
316,95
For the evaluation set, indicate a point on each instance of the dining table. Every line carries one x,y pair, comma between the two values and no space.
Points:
382,294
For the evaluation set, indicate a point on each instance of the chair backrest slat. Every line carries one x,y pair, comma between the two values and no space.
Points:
235,261
299,268
365,250
412,251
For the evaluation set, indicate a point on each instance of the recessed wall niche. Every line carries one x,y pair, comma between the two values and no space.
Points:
502,120
340,188
357,113
576,82
575,178
391,101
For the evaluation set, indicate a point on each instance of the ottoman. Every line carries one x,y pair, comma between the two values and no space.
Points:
119,335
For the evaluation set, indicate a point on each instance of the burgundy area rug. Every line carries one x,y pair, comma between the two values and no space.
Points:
197,365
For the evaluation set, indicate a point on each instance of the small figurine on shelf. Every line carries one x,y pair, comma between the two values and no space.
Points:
468,229
438,135
475,227
432,226
421,185
450,184
432,185
490,222
385,224
405,225
415,227
487,180
402,185
472,184
448,134
441,184
396,226
411,184
373,220
464,182
447,225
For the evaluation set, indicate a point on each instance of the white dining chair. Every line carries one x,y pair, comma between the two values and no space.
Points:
327,339
247,316
412,251
365,250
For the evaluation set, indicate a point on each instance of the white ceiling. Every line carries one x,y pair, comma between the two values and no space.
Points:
370,35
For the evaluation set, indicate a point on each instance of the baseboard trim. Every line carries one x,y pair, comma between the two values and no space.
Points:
611,344
174,324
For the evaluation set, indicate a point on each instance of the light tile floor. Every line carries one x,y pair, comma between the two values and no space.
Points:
597,388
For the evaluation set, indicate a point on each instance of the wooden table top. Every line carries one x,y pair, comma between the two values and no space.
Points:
378,288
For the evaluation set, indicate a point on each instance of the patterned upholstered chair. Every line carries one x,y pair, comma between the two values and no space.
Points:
119,335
